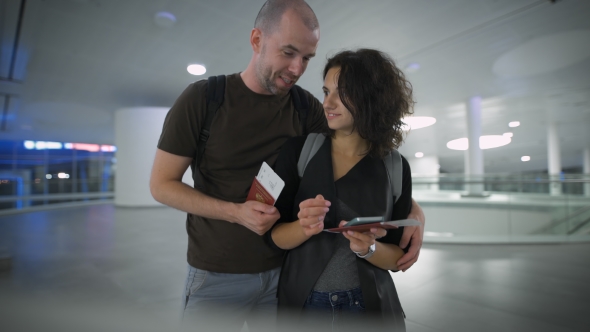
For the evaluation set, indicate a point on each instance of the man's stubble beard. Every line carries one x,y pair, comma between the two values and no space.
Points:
264,75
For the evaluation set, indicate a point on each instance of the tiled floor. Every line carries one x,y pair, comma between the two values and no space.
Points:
102,268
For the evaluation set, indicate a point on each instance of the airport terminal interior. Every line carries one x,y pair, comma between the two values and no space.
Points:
85,86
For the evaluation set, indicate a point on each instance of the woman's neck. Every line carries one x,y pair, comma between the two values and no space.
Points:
349,144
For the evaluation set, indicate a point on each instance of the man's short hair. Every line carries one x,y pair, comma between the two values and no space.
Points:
269,17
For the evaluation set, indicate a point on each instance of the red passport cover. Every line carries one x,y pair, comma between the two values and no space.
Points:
258,193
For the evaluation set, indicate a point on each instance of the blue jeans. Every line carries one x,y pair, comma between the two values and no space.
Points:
224,301
333,311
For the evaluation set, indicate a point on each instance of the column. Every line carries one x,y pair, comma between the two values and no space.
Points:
554,159
425,172
474,156
137,131
587,171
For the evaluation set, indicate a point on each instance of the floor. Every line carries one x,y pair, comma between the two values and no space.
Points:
100,268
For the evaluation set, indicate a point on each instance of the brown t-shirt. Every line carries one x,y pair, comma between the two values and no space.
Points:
247,129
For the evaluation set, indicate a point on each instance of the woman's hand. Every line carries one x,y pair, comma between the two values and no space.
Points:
360,242
312,213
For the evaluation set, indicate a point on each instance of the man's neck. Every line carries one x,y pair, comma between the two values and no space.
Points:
249,78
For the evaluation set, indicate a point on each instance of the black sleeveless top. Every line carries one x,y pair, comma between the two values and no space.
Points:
363,189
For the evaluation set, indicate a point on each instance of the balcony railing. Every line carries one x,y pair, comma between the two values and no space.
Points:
505,208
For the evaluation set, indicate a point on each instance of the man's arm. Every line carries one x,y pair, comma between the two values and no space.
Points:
167,188
413,236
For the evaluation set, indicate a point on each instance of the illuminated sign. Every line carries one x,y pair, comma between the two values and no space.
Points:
42,145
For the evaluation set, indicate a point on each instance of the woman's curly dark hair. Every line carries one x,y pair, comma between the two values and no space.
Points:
377,95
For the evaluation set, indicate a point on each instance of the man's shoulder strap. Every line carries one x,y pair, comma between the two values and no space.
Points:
301,104
312,144
215,93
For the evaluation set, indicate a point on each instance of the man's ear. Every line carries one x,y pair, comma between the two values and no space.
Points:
256,40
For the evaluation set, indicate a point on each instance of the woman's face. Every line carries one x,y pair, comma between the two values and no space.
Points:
339,117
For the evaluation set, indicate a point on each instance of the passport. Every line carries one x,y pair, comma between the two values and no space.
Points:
266,186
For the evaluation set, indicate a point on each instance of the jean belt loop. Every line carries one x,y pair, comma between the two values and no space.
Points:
308,300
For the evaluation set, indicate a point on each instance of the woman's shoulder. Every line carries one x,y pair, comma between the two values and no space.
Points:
406,171
405,163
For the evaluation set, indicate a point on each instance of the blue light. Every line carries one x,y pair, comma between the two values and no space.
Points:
40,145
29,145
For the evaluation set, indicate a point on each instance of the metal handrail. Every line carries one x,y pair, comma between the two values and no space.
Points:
513,181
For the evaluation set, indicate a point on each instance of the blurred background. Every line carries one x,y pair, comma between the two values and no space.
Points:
85,85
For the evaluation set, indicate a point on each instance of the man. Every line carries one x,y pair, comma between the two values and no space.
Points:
232,272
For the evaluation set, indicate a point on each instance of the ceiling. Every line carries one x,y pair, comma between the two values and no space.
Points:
78,61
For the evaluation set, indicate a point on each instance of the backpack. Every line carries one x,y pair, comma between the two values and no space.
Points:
215,94
392,161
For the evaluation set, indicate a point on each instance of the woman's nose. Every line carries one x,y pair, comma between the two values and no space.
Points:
328,104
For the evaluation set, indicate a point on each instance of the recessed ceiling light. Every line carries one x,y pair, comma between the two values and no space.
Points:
514,124
412,67
493,141
525,158
164,19
458,144
196,69
508,135
419,155
417,122
485,142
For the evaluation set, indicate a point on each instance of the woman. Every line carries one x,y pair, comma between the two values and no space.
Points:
342,279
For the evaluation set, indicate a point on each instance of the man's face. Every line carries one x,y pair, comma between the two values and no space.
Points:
284,54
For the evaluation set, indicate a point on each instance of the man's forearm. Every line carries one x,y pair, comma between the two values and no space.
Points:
181,196
386,256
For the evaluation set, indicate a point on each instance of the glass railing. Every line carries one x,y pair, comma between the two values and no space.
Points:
491,208
504,208
572,184
17,195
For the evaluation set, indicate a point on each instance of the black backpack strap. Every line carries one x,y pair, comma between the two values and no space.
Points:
215,94
301,106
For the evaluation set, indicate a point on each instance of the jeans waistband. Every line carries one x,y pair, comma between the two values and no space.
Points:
337,297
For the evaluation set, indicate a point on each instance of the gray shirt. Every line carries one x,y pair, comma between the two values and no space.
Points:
341,273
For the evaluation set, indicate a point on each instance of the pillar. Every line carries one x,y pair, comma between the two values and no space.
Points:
137,131
474,169
554,159
587,172
425,170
